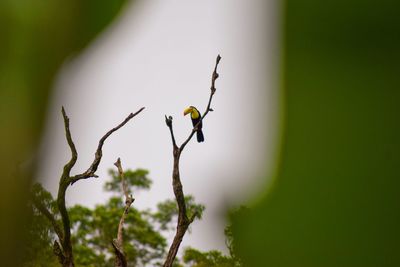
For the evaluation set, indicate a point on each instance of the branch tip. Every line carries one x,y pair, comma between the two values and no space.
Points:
214,77
117,163
168,121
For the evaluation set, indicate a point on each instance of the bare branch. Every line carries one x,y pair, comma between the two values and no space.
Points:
128,200
90,172
214,77
74,153
65,255
120,259
68,259
183,220
168,121
123,181
63,248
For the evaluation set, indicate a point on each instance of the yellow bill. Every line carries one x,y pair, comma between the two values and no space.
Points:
187,111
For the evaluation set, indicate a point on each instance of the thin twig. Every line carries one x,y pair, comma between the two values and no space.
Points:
214,77
74,153
90,172
168,121
128,201
120,259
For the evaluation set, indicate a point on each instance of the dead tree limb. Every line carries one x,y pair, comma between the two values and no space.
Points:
120,259
63,248
90,172
183,220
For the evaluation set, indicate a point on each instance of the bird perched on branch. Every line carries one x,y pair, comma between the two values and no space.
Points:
196,118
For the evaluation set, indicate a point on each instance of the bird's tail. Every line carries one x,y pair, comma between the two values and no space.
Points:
200,136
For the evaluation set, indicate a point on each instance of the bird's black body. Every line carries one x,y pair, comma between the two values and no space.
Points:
200,136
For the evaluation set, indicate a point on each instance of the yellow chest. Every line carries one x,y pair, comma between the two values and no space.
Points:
195,114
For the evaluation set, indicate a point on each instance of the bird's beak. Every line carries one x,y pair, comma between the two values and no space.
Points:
187,111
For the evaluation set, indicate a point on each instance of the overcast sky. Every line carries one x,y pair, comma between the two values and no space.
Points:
160,55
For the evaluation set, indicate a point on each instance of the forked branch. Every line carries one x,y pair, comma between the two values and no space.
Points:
63,248
90,172
183,220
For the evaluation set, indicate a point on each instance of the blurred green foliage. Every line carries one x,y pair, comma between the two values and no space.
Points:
134,179
39,253
36,38
334,200
213,258
168,209
94,229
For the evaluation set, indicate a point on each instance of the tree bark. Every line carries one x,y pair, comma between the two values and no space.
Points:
183,220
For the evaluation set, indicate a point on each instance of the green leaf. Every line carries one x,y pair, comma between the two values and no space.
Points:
136,180
167,211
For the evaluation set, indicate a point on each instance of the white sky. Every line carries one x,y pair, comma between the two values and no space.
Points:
160,54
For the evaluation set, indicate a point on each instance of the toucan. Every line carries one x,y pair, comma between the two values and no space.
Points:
196,118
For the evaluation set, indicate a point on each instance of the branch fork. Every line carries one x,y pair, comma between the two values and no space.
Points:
63,247
183,220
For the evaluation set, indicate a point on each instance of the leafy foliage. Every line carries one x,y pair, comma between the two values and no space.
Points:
135,179
208,259
212,258
44,197
168,209
40,252
93,230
